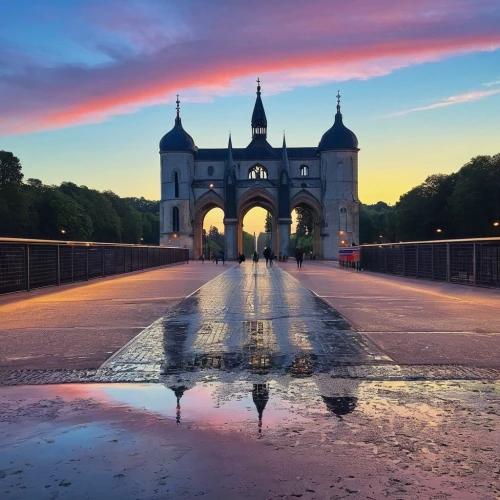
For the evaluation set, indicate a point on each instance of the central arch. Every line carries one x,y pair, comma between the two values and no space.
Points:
258,197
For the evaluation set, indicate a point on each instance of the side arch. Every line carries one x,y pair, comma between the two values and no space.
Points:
306,200
202,206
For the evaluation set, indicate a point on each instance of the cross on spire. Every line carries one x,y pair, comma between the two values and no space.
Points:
177,107
258,84
338,101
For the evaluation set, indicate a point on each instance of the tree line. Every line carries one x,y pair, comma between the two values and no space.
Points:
32,209
464,204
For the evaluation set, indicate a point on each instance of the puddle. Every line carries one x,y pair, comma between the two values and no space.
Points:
213,438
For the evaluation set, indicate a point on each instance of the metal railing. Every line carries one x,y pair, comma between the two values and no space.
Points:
467,262
29,264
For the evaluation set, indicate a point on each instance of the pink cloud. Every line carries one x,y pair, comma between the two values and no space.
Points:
210,49
474,95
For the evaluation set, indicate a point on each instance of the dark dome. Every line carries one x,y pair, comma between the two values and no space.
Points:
338,137
177,139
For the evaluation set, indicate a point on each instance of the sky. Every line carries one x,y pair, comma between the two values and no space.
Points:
87,87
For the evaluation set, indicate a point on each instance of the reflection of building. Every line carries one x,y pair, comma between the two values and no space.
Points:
322,179
340,405
260,396
339,395
179,392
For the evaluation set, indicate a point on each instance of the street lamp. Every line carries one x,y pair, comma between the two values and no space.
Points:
439,230
496,224
211,186
63,231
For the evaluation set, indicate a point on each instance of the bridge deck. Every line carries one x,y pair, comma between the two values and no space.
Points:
79,326
413,321
410,322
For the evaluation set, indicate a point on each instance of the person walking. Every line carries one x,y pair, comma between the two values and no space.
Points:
255,257
202,258
299,256
222,256
217,257
267,254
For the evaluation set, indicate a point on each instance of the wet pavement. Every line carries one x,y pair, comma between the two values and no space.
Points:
260,390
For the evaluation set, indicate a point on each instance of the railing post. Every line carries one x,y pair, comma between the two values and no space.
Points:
432,261
58,265
72,264
416,258
404,260
27,265
116,265
87,263
474,265
102,261
448,263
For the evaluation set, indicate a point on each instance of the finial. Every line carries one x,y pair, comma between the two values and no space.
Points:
338,101
258,85
177,107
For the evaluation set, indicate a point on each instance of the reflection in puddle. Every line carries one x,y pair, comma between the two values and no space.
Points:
340,406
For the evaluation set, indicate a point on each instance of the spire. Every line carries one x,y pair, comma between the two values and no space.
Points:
284,158
230,162
178,109
260,396
259,120
338,103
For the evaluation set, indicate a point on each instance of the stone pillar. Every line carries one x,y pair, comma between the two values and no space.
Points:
284,232
231,237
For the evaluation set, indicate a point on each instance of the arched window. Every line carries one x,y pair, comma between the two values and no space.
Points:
343,210
304,171
176,184
210,170
175,219
257,172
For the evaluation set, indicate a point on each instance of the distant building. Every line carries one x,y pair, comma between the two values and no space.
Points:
322,179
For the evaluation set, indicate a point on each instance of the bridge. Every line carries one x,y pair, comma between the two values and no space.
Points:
407,322
190,379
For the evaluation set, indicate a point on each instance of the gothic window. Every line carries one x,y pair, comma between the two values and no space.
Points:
304,171
210,170
176,184
257,172
175,219
343,210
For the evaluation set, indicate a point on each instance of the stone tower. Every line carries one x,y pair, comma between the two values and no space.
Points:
338,150
177,150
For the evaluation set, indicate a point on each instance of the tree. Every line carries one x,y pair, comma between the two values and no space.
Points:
248,244
10,170
304,222
268,224
475,202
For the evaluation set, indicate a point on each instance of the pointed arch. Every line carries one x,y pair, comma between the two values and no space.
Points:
258,171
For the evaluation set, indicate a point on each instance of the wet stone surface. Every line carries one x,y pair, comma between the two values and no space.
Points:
253,318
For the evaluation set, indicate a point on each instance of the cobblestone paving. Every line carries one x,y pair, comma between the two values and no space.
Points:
251,317
250,322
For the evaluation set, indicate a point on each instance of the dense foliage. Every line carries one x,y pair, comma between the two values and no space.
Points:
465,204
68,211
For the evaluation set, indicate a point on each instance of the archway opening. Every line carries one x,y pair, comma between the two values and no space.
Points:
256,231
213,240
305,231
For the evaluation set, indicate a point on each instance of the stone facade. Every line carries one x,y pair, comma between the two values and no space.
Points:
323,179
